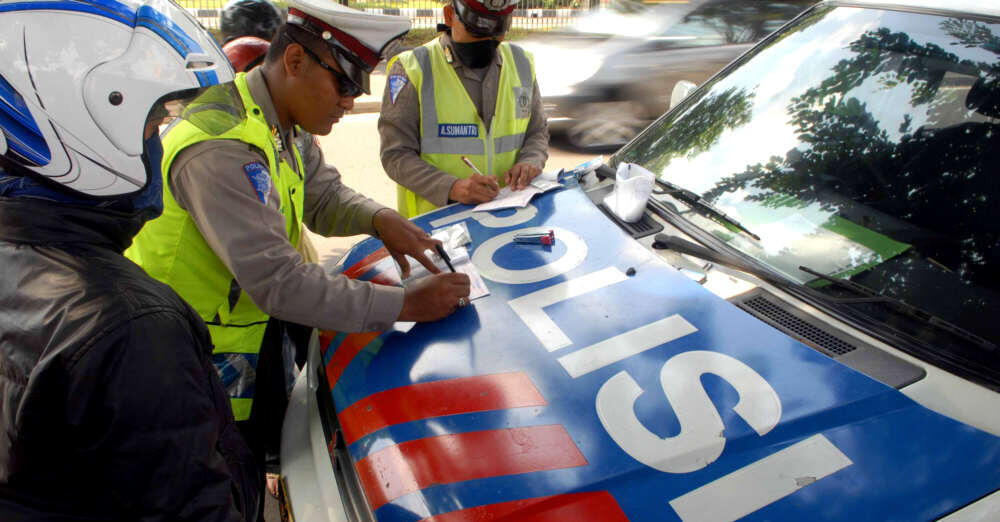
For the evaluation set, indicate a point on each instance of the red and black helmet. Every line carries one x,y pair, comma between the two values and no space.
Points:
246,52
485,17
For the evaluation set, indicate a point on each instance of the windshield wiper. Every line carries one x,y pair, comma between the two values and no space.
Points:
683,246
698,202
906,309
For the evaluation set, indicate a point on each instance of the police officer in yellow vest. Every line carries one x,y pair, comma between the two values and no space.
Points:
462,94
237,189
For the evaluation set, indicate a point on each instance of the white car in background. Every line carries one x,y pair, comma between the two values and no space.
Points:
610,73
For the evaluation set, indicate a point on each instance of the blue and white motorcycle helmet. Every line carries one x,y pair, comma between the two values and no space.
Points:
81,79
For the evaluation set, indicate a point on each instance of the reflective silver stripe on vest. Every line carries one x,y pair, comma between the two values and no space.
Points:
430,142
523,65
508,143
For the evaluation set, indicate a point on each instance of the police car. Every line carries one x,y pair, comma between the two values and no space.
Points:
801,326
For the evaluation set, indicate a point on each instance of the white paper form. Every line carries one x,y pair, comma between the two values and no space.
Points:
453,239
508,198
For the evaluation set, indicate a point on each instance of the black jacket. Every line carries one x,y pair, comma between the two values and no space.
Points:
110,407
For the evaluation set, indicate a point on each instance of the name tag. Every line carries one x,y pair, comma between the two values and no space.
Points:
458,130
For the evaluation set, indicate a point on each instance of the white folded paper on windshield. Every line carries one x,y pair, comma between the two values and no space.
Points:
633,185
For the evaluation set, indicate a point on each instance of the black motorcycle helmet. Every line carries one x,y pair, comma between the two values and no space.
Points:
258,18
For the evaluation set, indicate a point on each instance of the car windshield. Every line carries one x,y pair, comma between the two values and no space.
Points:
861,143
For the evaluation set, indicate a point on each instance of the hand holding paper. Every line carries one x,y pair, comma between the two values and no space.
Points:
453,240
508,198
520,175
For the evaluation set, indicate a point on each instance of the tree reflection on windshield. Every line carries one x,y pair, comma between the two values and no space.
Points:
699,130
888,163
936,178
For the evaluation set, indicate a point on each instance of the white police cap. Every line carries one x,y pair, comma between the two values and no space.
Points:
364,35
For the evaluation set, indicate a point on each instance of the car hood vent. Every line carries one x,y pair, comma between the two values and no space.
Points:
824,338
646,226
791,324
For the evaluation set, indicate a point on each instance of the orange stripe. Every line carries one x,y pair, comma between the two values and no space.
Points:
352,345
414,465
366,264
590,505
437,399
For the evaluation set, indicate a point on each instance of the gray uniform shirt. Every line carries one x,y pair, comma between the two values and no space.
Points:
399,128
208,180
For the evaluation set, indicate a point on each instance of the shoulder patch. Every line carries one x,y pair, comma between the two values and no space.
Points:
260,179
396,84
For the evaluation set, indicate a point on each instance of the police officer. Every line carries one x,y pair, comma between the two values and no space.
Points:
235,197
112,408
462,94
245,53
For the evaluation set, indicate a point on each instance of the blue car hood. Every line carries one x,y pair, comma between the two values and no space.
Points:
596,382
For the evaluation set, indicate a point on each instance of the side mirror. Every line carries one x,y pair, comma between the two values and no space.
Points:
681,89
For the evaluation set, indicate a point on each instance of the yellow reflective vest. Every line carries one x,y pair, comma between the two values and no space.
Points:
171,249
450,126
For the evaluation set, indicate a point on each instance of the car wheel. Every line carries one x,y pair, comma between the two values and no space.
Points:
606,124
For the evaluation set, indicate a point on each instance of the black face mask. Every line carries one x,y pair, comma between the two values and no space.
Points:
476,54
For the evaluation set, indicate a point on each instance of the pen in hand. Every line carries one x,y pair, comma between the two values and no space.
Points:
471,166
444,255
476,188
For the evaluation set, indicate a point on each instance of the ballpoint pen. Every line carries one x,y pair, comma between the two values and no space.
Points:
471,166
444,255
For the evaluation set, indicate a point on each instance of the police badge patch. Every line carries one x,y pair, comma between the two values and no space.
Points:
396,84
260,179
522,102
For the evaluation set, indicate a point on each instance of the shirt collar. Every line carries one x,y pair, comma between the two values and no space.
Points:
262,97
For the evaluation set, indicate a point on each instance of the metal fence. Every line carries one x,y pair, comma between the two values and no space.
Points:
531,15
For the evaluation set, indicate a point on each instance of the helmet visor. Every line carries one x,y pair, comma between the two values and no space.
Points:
214,110
479,24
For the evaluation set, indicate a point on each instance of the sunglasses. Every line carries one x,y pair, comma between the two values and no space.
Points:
345,84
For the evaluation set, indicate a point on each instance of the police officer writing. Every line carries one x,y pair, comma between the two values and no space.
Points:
465,93
236,190
112,408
